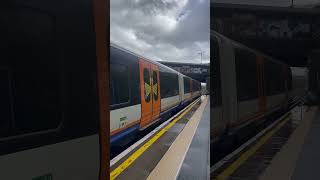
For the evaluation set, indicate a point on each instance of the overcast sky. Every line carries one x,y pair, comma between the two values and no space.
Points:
168,30
283,3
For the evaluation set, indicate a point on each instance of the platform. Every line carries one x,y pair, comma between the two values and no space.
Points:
275,152
165,153
298,158
196,164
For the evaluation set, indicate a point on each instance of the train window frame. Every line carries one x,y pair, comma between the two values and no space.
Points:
114,106
163,87
14,133
186,80
71,73
22,15
275,78
250,61
155,96
216,76
148,99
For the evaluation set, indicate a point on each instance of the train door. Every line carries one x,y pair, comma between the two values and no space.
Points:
217,122
261,85
181,88
150,96
156,105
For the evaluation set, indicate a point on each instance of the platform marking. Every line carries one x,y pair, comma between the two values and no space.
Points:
246,155
142,140
227,158
169,166
116,172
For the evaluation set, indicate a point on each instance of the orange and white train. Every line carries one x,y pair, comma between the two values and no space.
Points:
143,93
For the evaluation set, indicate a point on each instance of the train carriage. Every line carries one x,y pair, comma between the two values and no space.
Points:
247,86
143,93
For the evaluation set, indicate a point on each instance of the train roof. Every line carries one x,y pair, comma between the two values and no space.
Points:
112,44
212,32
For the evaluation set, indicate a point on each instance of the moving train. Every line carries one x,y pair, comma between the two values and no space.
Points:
246,87
144,92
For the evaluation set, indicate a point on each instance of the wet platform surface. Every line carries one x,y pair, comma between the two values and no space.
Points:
307,164
143,166
253,167
196,163
145,163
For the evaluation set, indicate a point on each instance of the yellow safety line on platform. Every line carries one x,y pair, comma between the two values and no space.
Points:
116,172
169,166
246,155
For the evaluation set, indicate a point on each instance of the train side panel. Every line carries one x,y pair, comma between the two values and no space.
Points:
187,90
247,78
125,106
143,93
181,88
49,101
247,86
228,85
169,90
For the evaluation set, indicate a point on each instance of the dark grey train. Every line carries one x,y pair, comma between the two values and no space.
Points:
246,87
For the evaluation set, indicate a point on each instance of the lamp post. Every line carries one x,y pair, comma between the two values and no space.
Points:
201,52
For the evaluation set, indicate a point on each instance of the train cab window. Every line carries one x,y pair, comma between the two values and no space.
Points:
216,80
147,85
155,85
119,84
247,76
169,84
186,83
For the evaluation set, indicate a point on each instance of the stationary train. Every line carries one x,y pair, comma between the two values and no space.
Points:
53,93
54,90
246,87
143,93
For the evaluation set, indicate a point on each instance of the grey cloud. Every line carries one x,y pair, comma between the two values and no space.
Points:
170,30
283,3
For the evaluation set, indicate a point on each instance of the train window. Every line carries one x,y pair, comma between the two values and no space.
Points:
186,83
155,85
147,85
30,74
119,84
194,85
169,84
216,84
275,83
246,72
